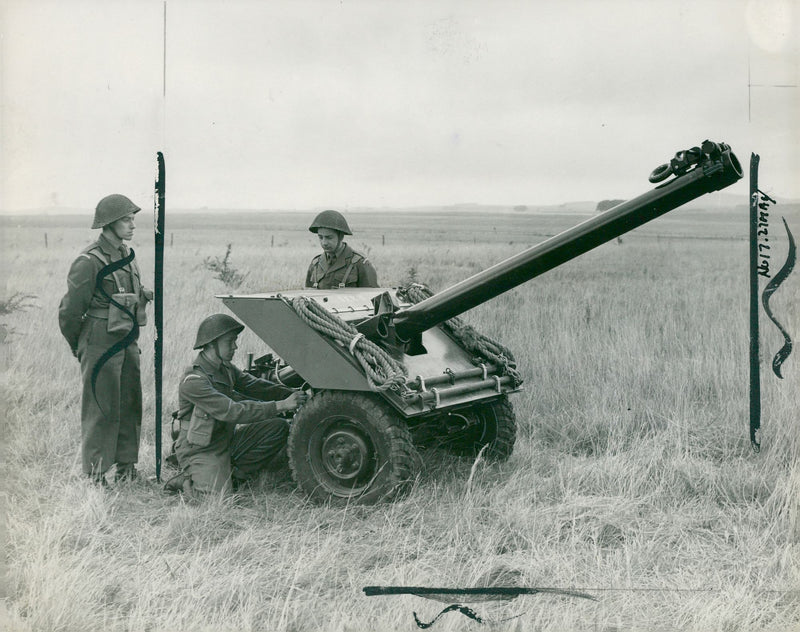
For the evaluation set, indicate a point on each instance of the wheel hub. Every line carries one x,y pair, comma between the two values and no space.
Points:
344,453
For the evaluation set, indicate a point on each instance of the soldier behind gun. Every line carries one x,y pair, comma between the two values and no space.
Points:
214,453
111,408
339,265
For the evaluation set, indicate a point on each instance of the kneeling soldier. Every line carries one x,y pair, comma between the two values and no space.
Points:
214,396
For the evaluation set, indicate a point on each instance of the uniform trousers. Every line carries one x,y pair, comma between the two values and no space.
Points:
252,448
111,423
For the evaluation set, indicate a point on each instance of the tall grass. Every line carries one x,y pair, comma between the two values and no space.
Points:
632,477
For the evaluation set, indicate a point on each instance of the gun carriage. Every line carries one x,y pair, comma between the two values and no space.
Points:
392,367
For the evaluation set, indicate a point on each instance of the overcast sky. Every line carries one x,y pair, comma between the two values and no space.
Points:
344,104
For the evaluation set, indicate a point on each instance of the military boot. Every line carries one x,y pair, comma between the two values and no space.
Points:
181,483
98,479
126,472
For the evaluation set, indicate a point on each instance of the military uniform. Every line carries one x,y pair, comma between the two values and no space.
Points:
110,432
215,396
347,268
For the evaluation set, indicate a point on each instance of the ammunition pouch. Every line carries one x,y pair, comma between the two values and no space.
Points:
141,309
118,321
201,426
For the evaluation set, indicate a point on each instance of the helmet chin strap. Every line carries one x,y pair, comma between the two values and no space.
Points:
213,345
110,227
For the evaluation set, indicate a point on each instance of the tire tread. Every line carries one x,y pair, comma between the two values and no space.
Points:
402,459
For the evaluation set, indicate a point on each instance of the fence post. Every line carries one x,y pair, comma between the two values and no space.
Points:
45,240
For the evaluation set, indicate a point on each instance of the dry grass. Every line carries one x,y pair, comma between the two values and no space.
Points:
632,477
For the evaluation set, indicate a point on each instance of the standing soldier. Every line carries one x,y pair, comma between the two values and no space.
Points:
339,265
100,317
214,396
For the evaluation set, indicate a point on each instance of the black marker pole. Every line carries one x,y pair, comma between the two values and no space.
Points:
755,378
158,291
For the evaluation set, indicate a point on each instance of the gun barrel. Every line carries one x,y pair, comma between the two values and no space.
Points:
717,168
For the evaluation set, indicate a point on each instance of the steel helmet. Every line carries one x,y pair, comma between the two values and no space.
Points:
111,208
330,219
215,326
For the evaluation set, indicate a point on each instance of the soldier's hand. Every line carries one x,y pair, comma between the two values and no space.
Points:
295,400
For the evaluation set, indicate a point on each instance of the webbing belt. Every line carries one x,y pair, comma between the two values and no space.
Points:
97,312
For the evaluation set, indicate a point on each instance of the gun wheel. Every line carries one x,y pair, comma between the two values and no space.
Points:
350,447
492,424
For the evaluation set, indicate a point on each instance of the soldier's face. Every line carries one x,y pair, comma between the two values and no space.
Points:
329,239
226,346
123,228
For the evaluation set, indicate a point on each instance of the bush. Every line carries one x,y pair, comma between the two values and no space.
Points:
16,302
225,272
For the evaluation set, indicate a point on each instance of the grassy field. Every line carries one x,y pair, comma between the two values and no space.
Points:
632,478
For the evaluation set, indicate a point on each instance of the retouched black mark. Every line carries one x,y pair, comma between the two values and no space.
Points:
466,611
760,266
509,593
755,376
488,593
131,337
773,285
158,295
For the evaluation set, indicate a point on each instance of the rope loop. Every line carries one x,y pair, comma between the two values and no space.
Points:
353,342
382,371
472,340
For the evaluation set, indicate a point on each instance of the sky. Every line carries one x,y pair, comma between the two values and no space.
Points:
346,104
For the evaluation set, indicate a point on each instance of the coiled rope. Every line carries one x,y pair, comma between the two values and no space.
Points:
471,339
383,372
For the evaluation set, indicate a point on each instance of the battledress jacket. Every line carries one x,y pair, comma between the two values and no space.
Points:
214,397
83,299
347,269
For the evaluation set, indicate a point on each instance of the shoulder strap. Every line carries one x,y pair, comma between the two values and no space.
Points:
353,261
95,250
136,278
315,272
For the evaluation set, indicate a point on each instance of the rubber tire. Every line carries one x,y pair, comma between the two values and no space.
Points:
496,429
392,462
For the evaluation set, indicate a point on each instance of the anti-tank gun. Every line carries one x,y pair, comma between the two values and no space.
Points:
391,367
